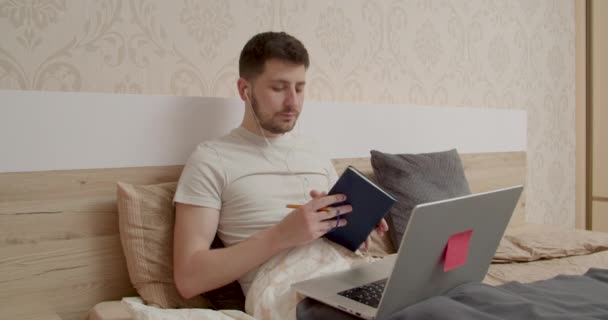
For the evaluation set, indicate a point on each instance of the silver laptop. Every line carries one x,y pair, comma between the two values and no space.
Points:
416,272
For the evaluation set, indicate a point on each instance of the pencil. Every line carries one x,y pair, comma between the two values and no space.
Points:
296,206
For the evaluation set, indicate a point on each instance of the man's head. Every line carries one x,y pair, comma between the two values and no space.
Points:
270,45
272,69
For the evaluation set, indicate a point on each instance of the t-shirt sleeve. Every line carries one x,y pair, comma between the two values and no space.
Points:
202,180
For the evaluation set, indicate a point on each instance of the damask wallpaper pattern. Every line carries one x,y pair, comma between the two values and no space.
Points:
516,54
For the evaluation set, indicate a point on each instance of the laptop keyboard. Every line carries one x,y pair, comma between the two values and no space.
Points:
368,294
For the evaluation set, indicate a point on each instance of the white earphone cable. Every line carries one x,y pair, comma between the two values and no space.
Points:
278,154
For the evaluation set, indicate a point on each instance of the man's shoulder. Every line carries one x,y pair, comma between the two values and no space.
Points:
220,145
226,139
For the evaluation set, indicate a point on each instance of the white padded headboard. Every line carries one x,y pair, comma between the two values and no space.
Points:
67,130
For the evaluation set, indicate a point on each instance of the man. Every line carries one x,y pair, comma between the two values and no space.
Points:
238,186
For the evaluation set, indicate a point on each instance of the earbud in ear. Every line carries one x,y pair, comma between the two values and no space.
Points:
246,91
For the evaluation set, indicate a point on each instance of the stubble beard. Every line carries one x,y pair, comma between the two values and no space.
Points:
271,124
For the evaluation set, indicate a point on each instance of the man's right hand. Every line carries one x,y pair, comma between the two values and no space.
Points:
308,223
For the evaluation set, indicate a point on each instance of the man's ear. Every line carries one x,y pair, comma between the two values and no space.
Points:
243,86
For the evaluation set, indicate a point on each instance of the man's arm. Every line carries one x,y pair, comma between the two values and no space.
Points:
198,269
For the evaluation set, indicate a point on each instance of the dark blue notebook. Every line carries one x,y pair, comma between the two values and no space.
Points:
370,203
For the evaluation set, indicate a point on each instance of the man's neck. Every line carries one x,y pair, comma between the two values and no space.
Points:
255,129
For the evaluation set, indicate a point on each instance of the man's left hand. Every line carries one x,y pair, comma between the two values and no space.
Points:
381,228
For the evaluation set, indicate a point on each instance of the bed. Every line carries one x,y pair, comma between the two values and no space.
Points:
527,252
61,251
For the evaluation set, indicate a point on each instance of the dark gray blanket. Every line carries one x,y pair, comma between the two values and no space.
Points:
562,297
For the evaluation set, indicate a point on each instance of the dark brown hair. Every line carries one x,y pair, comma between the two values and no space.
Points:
270,45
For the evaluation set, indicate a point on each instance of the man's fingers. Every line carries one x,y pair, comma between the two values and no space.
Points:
326,201
382,226
332,212
327,226
316,194
366,244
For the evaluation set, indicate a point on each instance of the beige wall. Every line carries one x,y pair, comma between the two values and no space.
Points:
497,54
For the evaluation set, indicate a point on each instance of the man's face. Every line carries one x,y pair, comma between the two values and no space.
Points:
277,95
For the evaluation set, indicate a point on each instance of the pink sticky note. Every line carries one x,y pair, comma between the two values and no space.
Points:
456,250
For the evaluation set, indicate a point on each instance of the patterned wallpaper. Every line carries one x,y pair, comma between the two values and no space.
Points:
484,53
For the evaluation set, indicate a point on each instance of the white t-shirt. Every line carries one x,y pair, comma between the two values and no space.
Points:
251,182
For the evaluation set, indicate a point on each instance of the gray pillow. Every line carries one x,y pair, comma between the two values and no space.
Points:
415,179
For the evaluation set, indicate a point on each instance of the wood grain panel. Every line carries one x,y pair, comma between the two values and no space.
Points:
44,259
33,228
599,97
59,236
72,275
20,307
73,190
363,165
489,171
600,216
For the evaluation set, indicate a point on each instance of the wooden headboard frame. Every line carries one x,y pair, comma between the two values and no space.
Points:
60,250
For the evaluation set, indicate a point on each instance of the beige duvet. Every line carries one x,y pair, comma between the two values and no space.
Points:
537,252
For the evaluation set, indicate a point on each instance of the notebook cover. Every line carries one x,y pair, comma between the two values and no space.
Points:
370,204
